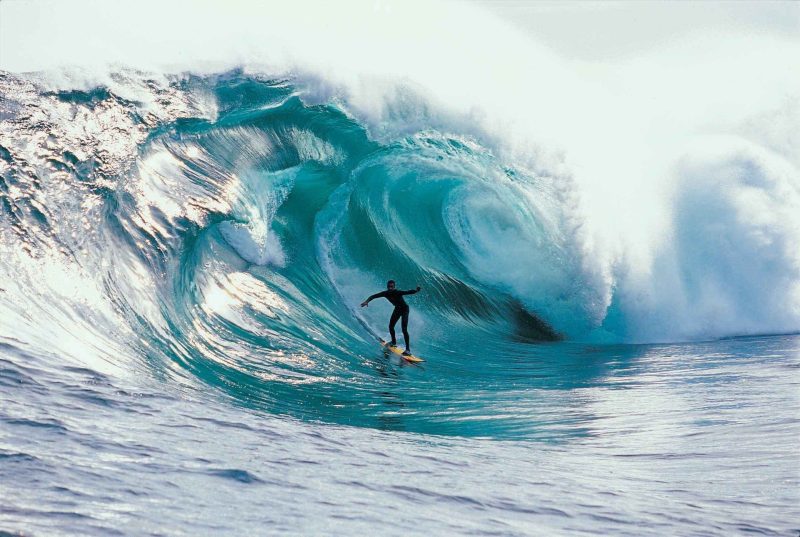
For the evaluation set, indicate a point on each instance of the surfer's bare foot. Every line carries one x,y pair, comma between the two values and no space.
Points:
393,344
406,352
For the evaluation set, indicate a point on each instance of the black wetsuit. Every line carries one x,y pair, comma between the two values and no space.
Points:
395,296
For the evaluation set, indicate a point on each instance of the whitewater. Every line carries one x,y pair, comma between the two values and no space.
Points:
196,197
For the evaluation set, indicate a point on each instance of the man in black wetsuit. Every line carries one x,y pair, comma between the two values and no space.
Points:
395,296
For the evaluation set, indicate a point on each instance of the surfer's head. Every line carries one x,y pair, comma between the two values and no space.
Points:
390,284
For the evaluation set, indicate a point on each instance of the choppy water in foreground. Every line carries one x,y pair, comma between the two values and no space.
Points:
690,439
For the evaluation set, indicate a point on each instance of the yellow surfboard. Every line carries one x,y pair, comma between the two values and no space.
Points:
399,351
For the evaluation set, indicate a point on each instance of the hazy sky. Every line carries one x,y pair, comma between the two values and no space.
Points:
597,30
579,30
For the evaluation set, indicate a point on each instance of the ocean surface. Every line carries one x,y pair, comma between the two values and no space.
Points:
182,352
694,439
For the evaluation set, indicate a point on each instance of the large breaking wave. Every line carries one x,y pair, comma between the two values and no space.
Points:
226,226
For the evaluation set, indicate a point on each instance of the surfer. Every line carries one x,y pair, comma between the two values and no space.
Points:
395,296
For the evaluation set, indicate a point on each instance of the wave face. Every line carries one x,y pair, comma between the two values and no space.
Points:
226,228
227,231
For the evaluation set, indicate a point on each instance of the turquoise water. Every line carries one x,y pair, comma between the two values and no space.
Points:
183,351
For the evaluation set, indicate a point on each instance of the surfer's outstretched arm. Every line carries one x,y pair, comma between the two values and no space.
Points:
373,297
411,291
